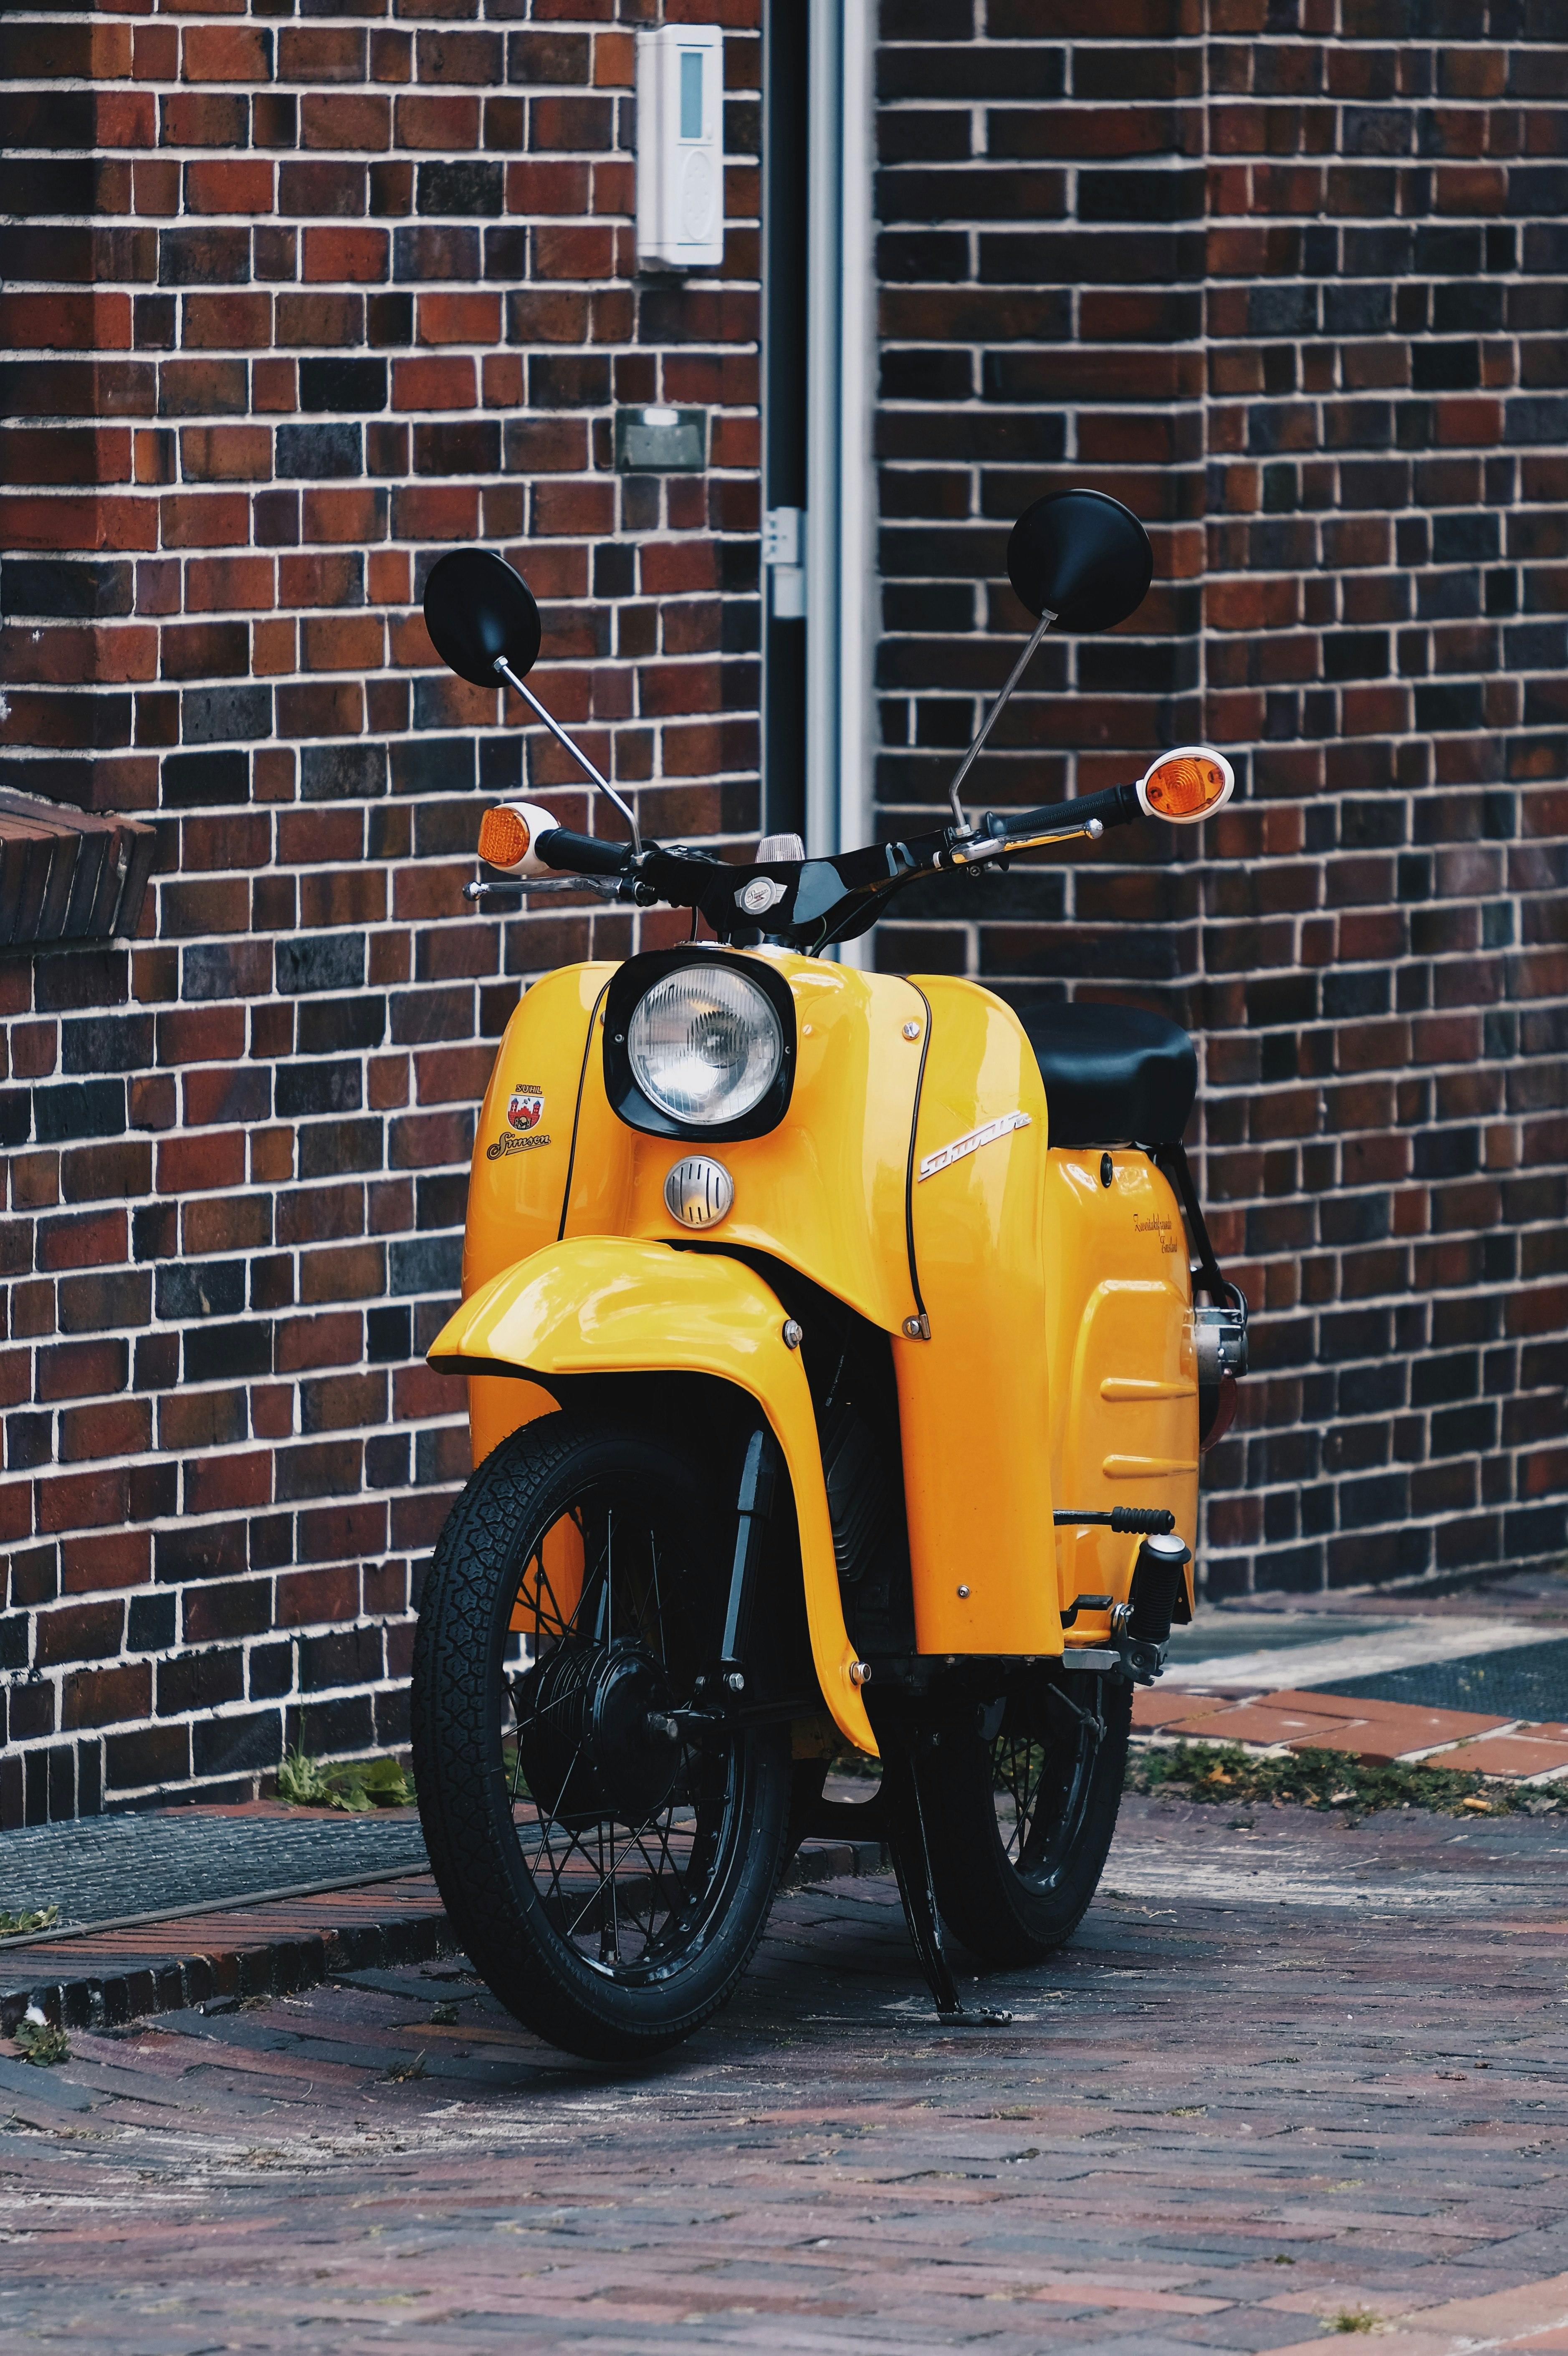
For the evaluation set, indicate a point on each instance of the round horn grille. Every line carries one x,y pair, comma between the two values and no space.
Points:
698,1191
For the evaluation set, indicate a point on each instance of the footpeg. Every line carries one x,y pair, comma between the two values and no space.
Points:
1158,1578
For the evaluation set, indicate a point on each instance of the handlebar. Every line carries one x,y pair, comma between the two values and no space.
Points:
806,904
581,854
1112,806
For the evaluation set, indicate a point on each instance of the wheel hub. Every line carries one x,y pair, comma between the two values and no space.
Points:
595,1736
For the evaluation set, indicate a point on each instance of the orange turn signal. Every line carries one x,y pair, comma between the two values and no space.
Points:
503,837
1186,786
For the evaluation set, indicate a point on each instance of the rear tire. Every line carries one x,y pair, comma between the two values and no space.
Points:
608,1864
1019,1827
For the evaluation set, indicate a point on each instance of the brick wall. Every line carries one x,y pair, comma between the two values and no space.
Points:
1289,277
292,305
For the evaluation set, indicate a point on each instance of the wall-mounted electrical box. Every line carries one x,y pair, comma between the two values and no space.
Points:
680,147
653,440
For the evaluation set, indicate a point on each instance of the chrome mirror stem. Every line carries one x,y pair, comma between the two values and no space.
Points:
1019,668
604,784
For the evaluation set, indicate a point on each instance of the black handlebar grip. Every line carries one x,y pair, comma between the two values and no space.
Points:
580,854
1112,806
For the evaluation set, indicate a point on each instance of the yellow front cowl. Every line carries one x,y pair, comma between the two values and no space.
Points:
834,1194
615,1304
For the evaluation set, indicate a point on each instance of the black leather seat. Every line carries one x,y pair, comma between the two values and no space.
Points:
1113,1074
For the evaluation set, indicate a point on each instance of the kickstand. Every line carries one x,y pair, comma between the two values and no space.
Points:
912,1865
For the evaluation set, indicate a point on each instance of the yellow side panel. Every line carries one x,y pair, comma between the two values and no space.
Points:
1124,1431
824,1192
973,1403
609,1304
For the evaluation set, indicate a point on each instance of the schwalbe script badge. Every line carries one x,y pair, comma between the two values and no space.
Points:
961,1147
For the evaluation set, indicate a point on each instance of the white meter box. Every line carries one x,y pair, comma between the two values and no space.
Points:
680,147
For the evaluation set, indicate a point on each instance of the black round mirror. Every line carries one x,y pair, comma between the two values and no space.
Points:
1084,556
477,607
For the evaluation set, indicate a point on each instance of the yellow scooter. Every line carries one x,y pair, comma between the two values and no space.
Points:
836,1383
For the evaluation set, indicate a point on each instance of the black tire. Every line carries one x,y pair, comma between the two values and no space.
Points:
615,1908
1019,1826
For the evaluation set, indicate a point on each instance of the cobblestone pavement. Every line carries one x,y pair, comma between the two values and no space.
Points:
1288,2075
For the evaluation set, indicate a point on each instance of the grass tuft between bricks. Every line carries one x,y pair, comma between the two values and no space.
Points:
1325,1779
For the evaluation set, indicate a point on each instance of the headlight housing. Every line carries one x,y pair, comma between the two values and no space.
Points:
705,1044
699,1045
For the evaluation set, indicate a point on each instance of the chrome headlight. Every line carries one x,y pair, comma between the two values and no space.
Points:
705,1044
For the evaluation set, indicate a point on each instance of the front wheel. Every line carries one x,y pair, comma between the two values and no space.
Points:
607,1856
1019,1820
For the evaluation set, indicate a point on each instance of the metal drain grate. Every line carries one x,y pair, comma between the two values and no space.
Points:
103,1869
1531,1683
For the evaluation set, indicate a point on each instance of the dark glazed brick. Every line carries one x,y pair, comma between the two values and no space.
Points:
348,772
342,384
107,1044
205,780
388,1335
326,961
230,1746
465,188
228,1352
320,452
150,1627
87,1108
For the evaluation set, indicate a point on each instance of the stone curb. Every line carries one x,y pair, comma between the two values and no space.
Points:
226,1955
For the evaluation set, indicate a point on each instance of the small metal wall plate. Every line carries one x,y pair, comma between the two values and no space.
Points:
653,440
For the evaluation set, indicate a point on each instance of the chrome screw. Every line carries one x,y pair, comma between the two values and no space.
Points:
911,1030
794,1335
964,1595
735,1682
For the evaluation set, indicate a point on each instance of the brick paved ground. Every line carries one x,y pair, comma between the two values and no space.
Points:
1291,2070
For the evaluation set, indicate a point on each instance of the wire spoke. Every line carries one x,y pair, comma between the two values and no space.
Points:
1045,1775
621,1893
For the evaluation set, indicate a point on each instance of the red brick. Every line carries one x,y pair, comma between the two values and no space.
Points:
432,383
226,53
358,255
343,119
84,1501
204,520
201,1164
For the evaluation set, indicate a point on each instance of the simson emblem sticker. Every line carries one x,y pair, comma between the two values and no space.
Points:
524,1113
961,1147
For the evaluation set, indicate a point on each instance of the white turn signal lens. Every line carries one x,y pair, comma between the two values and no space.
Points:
1188,785
705,1044
508,834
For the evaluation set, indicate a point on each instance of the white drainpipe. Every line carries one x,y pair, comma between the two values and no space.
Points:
841,572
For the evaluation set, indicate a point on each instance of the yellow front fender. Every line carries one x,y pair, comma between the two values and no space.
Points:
616,1304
